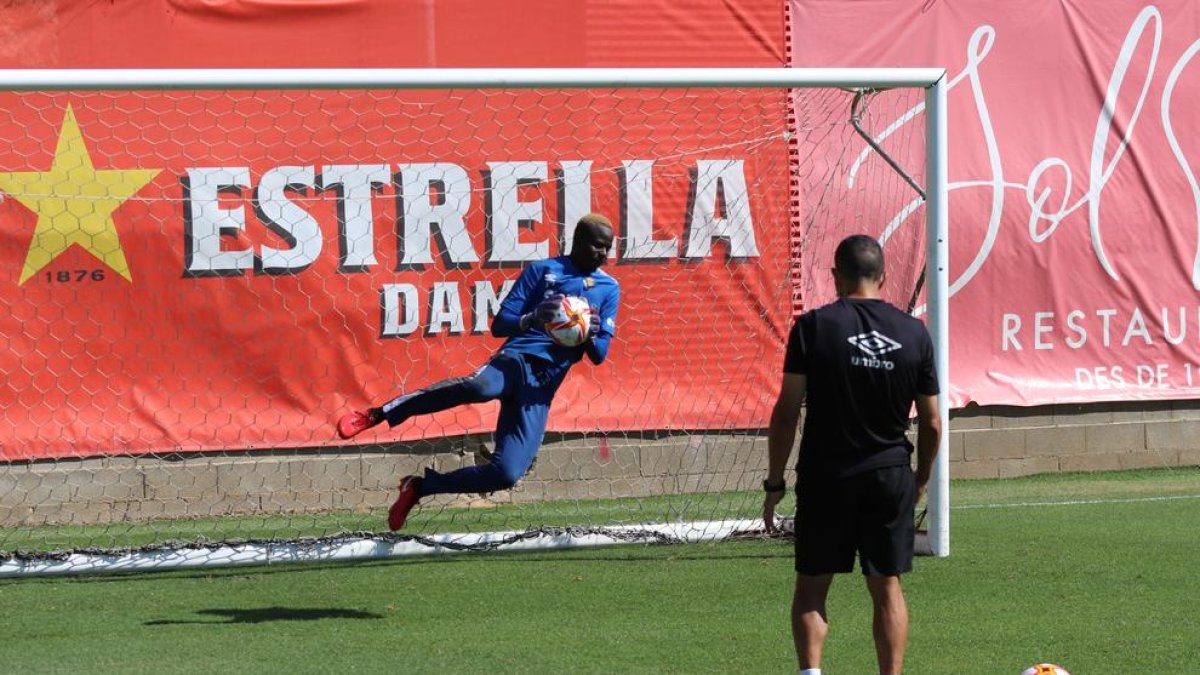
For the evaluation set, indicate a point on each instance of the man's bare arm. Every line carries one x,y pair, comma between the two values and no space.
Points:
781,435
929,439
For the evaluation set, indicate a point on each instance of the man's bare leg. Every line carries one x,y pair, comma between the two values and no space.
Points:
810,623
890,624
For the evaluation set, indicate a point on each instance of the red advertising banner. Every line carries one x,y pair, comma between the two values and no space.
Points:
1074,203
372,34
232,270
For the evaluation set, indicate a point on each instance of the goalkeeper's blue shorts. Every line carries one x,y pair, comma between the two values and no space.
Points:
525,386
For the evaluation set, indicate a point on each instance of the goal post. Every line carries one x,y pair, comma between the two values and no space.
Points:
205,267
938,269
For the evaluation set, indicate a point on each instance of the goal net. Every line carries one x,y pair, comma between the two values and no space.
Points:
204,269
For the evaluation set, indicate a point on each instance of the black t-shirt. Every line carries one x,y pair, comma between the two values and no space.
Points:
865,362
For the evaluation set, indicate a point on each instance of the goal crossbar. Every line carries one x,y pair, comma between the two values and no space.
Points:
462,78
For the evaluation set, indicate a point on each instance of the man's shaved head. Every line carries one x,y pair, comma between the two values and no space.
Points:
859,257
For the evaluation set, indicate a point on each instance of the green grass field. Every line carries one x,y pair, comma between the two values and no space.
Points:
1094,572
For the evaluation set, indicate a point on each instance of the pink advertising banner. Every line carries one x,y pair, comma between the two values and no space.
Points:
1074,200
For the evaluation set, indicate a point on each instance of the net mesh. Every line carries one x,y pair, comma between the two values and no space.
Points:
198,283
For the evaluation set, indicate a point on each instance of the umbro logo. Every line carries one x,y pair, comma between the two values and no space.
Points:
874,343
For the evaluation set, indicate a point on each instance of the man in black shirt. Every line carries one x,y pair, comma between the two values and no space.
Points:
862,364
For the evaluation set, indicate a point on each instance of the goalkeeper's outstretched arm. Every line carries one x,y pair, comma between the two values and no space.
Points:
508,321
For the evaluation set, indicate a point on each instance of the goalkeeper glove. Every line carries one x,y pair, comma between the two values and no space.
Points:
593,322
543,313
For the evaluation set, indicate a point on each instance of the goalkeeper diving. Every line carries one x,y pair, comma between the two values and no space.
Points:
523,375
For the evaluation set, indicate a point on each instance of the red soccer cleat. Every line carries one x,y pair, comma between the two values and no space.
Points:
354,423
404,503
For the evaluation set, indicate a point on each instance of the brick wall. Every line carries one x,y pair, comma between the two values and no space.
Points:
1003,441
990,442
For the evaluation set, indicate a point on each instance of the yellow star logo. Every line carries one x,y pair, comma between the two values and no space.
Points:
74,203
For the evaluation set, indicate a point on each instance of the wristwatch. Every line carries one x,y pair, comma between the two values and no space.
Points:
768,486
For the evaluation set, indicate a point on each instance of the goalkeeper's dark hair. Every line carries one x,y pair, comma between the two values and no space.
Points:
859,257
594,221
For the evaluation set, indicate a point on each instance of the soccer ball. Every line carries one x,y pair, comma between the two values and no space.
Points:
569,327
1045,669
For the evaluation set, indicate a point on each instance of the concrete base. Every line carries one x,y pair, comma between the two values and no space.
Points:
991,442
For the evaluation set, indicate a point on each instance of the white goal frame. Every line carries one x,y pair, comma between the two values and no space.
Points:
932,80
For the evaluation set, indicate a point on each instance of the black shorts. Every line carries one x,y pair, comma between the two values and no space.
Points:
870,513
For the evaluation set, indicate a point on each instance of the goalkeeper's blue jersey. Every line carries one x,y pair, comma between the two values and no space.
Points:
546,278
